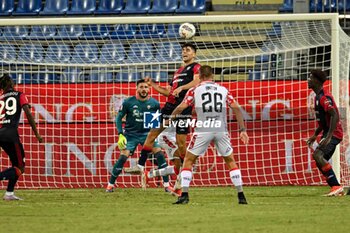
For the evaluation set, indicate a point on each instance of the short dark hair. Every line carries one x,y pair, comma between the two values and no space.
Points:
206,71
319,75
6,82
188,44
140,81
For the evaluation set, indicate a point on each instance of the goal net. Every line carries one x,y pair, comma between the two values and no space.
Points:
77,71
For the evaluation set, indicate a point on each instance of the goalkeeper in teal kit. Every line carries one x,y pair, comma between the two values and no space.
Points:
135,133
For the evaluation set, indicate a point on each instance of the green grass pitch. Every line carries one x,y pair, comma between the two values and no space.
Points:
270,209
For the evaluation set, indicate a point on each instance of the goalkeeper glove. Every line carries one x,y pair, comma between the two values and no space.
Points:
122,142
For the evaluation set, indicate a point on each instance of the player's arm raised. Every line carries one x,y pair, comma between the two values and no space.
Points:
188,86
161,90
242,129
31,121
179,110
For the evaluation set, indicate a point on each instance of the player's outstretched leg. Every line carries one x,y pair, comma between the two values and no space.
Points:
117,169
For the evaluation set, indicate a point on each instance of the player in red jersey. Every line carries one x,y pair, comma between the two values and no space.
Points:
327,116
11,104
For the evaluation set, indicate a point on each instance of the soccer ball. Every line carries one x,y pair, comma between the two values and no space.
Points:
187,30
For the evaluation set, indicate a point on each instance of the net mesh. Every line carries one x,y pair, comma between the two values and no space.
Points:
76,77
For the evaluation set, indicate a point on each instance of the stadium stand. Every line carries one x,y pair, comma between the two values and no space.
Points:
191,7
58,53
40,32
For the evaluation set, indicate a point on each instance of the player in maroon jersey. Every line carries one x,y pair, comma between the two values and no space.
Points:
327,116
184,78
11,104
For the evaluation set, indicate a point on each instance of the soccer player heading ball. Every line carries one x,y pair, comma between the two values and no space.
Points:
215,109
12,102
327,116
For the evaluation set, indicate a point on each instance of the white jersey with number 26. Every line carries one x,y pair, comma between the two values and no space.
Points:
210,101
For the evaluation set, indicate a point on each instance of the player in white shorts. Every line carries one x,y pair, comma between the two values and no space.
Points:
211,101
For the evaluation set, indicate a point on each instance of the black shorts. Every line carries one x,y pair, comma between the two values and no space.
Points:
16,153
166,113
330,148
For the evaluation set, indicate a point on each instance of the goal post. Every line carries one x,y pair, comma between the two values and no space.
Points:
77,71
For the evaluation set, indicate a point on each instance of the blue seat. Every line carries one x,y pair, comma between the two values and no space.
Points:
23,77
173,31
191,6
82,7
168,51
151,31
163,7
287,7
46,32
137,7
72,75
15,32
31,53
44,76
110,7
140,52
257,75
7,53
69,31
55,7
85,53
343,6
112,53
316,6
28,7
6,7
57,53
123,31
101,75
128,76
96,31
158,75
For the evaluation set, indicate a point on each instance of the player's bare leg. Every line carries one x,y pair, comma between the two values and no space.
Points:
236,177
186,177
326,169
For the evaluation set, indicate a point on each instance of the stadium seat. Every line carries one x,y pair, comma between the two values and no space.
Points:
137,7
72,75
159,76
85,53
101,75
123,31
287,7
6,7
191,6
23,77
112,53
57,53
95,31
55,7
173,31
82,7
140,52
15,32
31,53
163,7
7,53
69,31
257,75
44,76
151,31
28,7
128,76
111,7
168,51
46,32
